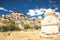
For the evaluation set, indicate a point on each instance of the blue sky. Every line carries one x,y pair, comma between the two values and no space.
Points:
24,6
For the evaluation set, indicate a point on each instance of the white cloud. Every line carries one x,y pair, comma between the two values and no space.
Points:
10,10
35,12
38,12
54,5
31,12
3,9
43,9
50,10
56,8
40,17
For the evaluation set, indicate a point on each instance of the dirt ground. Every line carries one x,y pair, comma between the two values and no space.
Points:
24,35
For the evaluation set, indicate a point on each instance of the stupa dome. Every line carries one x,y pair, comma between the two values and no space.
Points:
49,20
50,12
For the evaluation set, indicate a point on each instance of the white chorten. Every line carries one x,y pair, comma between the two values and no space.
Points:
49,24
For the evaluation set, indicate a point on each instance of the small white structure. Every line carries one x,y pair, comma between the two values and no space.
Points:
49,24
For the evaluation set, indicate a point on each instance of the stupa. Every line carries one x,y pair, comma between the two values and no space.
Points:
49,25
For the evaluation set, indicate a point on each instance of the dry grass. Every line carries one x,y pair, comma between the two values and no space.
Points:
23,35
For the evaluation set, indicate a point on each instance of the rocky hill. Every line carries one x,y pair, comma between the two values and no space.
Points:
18,18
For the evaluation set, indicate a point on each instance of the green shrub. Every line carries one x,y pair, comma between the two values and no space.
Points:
39,27
13,27
31,27
36,27
26,26
10,28
4,28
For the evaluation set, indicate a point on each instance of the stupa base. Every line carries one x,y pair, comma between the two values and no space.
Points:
45,35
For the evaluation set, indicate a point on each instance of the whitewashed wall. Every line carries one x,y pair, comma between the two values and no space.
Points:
50,29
